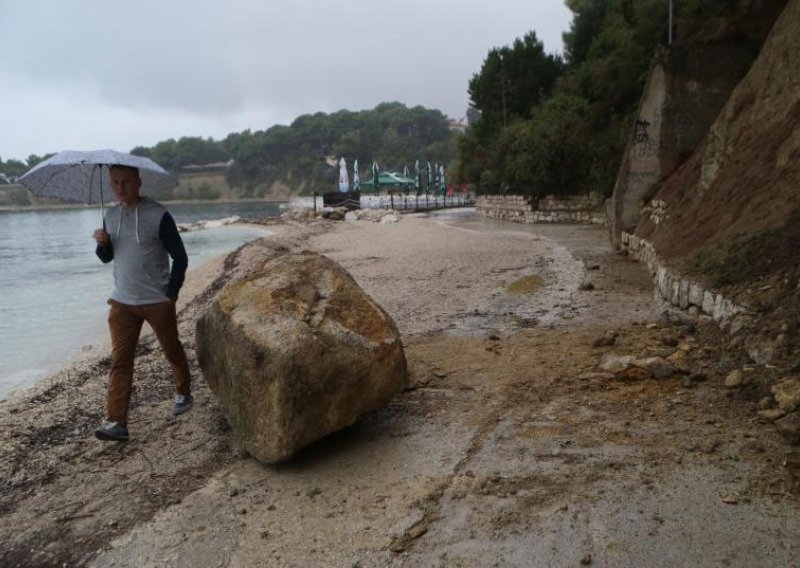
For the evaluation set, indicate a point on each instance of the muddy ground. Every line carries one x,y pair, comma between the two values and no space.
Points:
512,447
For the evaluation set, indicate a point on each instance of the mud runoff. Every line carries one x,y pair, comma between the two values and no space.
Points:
512,447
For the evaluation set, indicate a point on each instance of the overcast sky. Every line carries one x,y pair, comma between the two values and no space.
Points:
85,74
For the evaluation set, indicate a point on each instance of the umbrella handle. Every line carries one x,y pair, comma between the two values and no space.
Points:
102,201
102,206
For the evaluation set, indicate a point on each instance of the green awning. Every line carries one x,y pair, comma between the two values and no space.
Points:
389,179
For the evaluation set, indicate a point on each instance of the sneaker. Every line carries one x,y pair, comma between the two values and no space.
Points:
112,432
183,402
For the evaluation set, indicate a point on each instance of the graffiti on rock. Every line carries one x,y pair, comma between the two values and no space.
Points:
643,145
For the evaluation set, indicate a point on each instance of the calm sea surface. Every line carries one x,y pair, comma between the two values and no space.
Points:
53,289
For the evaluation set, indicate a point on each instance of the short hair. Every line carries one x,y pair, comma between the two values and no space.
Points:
121,167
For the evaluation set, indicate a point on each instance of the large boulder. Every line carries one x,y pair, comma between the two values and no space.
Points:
296,350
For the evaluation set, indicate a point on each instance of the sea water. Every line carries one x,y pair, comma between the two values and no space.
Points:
53,289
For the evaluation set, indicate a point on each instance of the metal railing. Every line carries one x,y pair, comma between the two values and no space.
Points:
400,201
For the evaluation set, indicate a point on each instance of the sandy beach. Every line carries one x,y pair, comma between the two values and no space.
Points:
512,447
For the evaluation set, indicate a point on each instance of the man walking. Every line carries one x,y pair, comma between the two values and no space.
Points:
140,235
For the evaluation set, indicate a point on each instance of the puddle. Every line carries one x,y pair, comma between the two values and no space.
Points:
525,285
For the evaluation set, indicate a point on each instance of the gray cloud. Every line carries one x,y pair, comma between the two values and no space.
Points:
119,75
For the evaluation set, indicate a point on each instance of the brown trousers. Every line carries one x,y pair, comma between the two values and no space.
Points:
125,323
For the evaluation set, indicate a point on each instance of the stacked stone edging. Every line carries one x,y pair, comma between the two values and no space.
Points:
548,209
515,208
683,293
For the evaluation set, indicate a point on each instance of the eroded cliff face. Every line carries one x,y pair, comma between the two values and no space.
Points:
730,215
743,179
688,86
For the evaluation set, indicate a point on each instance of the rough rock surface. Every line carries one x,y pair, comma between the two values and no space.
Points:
787,394
789,428
295,351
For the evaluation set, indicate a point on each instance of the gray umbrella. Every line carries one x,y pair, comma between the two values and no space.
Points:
78,176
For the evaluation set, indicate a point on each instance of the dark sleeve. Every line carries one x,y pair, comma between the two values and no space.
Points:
106,254
169,235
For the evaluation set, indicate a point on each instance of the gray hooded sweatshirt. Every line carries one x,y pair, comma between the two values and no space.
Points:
142,240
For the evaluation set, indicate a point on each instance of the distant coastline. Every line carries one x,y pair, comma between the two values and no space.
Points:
60,206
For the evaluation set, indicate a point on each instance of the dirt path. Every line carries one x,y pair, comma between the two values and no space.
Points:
511,448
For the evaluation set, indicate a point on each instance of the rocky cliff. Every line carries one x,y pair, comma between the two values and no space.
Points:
730,214
688,85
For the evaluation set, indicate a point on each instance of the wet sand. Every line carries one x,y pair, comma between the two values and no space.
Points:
511,447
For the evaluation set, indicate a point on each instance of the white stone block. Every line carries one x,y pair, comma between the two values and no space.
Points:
683,294
708,303
695,294
717,313
675,299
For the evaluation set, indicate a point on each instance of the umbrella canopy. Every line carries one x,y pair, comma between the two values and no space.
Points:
78,176
391,179
430,178
344,181
356,178
376,183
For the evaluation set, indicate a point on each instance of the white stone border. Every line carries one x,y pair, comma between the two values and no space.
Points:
683,293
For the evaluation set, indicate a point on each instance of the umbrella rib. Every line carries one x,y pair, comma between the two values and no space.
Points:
54,174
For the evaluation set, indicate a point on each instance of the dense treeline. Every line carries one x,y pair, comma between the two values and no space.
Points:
548,124
295,155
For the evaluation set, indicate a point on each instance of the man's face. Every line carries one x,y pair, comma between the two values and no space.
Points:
125,183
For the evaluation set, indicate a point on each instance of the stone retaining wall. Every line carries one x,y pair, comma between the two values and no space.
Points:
549,209
685,293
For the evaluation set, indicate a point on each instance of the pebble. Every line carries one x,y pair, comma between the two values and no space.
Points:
734,379
586,559
680,360
635,374
416,531
660,368
615,363
771,414
608,339
787,394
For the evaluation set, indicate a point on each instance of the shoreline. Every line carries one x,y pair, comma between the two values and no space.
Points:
67,206
511,442
197,279
99,346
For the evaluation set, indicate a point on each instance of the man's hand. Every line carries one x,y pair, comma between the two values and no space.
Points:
102,238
